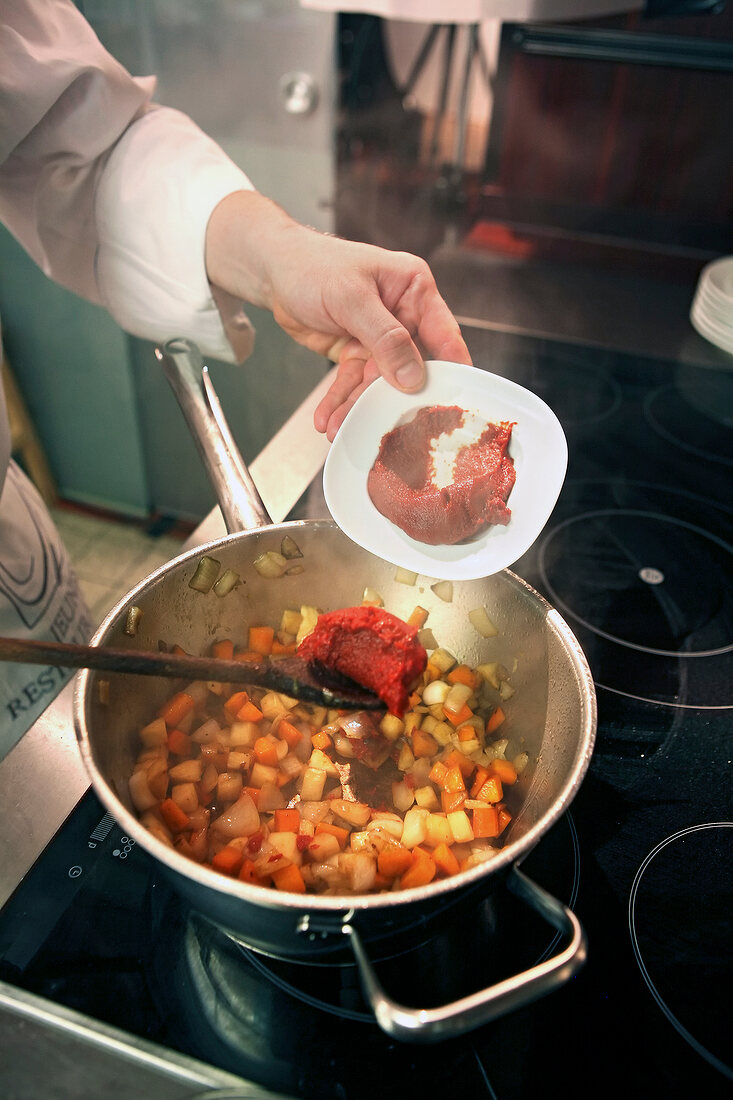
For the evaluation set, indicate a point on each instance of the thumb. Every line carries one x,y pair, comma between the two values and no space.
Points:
390,346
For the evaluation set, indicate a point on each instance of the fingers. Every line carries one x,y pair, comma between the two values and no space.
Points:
439,333
353,377
349,375
390,344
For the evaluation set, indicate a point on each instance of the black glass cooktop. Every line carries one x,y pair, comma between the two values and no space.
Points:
637,556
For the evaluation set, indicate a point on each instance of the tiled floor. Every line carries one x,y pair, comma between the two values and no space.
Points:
110,556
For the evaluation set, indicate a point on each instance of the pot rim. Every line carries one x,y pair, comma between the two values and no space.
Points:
512,853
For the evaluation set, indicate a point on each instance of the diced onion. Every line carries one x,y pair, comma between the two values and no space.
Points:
355,813
442,660
270,564
241,819
414,829
520,762
435,692
132,621
443,590
313,811
356,725
206,573
480,620
426,638
372,598
207,732
227,581
290,549
457,697
405,576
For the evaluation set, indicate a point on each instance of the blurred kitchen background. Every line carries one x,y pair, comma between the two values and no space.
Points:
566,178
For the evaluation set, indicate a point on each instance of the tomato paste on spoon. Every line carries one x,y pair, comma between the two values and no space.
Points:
372,647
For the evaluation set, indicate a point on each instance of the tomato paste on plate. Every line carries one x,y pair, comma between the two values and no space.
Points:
443,476
372,647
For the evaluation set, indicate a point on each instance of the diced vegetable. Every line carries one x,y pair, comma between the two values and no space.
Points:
206,573
264,789
479,619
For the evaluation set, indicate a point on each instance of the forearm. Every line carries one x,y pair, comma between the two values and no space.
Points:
246,232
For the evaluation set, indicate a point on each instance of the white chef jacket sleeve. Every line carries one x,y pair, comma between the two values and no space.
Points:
108,193
154,198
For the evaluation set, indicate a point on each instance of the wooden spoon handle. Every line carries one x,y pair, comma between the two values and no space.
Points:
291,675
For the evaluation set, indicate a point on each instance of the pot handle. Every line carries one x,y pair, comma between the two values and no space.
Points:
467,1013
239,499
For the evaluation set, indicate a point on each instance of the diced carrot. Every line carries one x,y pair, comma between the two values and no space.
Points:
282,648
249,713
454,780
287,821
175,710
421,872
179,743
266,751
504,818
394,860
495,720
381,882
173,815
423,744
491,790
485,821
482,774
223,650
452,800
322,740
466,732
235,701
261,639
179,650
289,878
247,872
438,773
457,717
505,770
286,731
462,674
413,700
228,860
445,860
253,792
418,617
342,835
463,762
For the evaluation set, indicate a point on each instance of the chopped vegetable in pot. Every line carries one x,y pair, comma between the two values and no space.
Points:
299,798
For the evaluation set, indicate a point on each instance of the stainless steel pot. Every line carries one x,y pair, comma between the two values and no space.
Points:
552,715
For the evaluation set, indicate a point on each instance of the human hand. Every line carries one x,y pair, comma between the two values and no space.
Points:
371,310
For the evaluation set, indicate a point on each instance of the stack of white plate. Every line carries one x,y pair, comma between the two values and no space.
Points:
712,306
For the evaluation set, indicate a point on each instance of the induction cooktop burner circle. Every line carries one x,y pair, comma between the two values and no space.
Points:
656,561
576,386
283,1022
646,582
680,936
694,417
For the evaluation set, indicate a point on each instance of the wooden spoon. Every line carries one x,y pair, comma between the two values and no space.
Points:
309,682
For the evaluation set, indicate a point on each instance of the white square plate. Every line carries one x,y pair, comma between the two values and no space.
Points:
538,448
